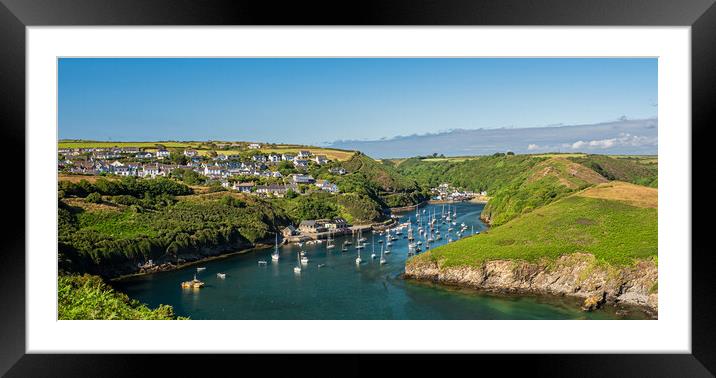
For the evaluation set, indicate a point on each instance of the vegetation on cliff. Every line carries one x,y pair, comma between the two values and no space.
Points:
88,298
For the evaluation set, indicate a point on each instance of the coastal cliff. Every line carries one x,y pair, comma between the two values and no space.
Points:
577,274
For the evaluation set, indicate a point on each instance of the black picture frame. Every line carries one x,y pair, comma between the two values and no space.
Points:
16,15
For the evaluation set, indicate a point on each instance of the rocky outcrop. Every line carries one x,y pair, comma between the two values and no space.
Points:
577,274
169,262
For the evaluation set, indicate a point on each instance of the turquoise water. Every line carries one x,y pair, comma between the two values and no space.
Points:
341,289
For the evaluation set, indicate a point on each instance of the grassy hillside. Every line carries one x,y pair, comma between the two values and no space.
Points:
537,186
518,184
380,181
385,176
88,298
637,170
616,222
488,173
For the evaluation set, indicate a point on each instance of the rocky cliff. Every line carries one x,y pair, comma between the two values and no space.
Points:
576,274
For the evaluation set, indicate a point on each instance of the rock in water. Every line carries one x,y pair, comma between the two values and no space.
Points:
593,302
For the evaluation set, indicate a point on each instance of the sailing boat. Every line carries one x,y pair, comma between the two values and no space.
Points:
297,268
359,244
372,242
275,255
382,259
358,259
329,243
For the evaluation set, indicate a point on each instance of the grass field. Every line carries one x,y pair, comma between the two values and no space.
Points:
331,154
605,221
93,144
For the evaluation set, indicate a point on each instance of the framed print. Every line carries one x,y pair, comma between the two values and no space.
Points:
422,179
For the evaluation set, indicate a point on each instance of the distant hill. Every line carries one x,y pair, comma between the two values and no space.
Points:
629,137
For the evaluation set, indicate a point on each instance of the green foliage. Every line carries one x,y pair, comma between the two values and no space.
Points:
490,173
132,186
188,176
89,298
314,206
94,198
291,194
614,232
383,176
96,240
381,182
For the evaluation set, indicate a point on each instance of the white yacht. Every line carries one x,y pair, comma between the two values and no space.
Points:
275,255
297,268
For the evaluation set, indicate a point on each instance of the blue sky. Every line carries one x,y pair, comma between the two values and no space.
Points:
312,101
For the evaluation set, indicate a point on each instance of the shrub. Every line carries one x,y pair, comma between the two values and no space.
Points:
94,198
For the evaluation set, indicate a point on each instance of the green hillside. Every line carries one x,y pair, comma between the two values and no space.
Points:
480,173
537,186
381,181
616,222
636,170
518,184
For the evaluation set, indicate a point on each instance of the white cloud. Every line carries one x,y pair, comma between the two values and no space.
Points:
533,147
622,140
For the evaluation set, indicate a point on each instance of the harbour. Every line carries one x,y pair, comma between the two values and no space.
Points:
351,284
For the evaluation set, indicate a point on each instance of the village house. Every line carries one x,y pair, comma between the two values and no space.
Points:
259,158
337,171
144,155
321,159
288,157
300,163
311,227
243,187
302,179
274,158
162,153
289,231
336,224
274,189
254,146
303,154
214,171
190,153
122,170
327,186
129,150
150,170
